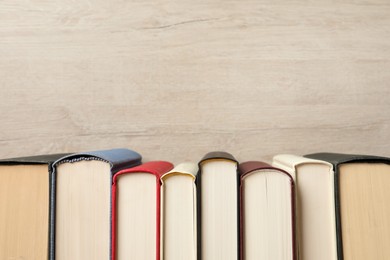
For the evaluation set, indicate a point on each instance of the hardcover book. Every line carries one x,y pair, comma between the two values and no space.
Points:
315,207
267,212
218,207
362,205
178,213
81,203
24,207
136,211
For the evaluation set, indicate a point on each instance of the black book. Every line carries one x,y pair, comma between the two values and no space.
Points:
24,206
218,207
362,198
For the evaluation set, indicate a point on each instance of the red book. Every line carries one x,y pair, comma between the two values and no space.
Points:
136,211
267,207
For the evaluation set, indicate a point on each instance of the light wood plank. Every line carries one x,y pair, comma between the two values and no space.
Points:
176,79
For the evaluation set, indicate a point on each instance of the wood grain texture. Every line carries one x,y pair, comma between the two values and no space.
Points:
176,79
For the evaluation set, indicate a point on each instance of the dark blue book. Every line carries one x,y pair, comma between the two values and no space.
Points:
80,200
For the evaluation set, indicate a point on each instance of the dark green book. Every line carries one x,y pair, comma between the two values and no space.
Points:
362,198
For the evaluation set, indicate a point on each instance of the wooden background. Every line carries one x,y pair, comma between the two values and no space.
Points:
176,79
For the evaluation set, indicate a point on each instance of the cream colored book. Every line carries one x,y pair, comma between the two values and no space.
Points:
178,213
315,205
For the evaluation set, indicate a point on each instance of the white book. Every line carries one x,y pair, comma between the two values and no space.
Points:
178,213
315,205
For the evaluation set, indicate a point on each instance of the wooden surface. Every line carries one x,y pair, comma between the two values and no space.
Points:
176,79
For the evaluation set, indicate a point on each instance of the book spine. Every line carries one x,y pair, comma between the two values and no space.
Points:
198,182
52,216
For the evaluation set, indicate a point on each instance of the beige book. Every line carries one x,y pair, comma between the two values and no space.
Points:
24,207
315,207
178,213
365,210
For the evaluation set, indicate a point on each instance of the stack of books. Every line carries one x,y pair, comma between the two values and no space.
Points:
109,205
